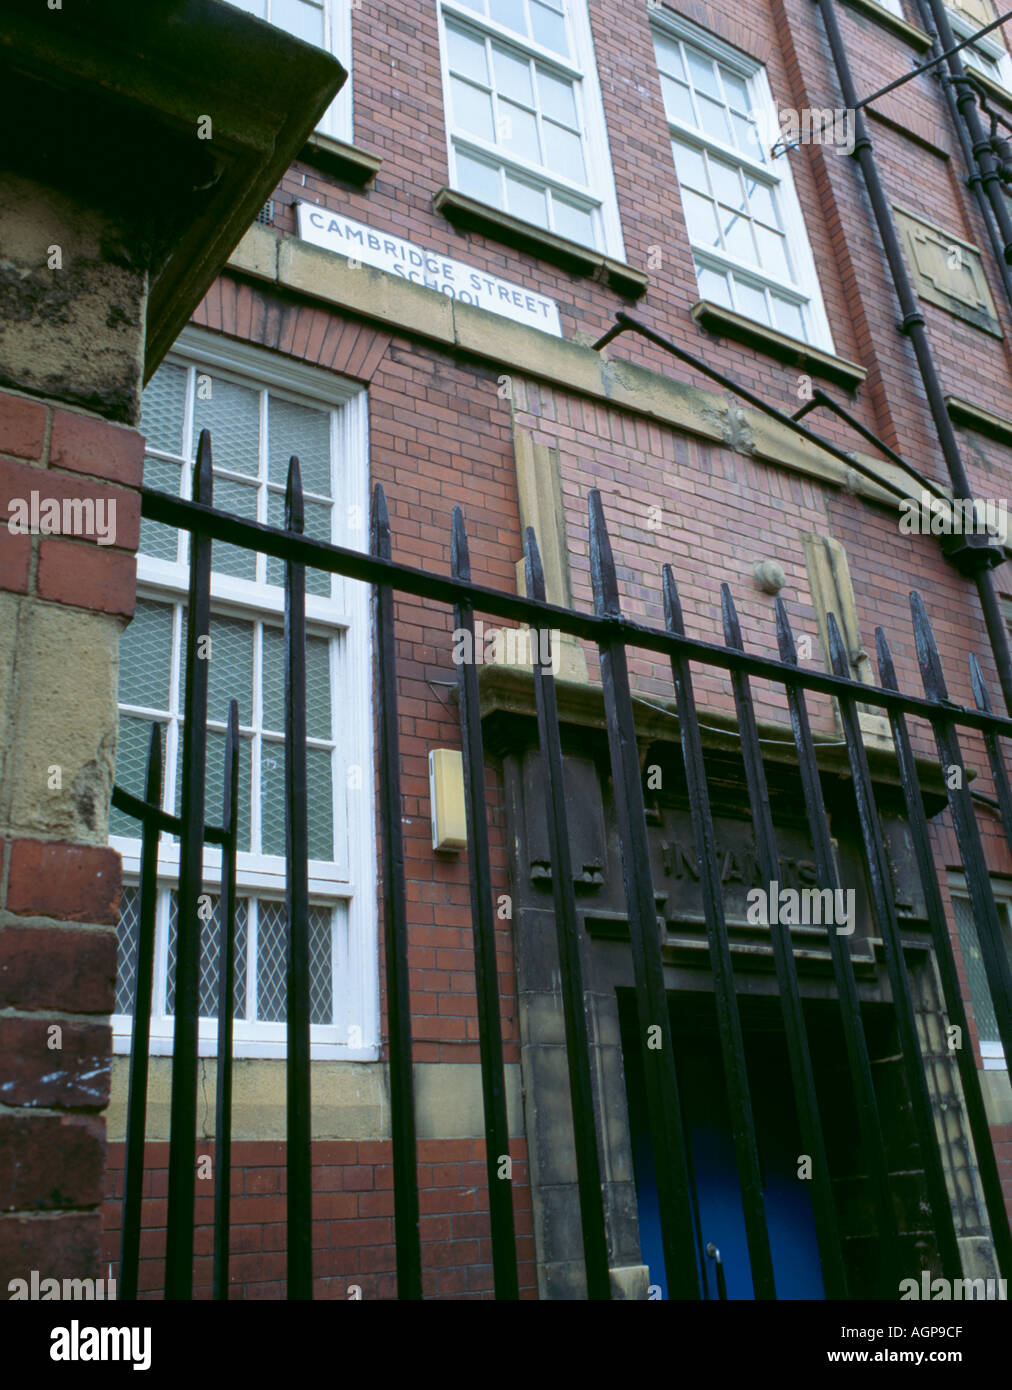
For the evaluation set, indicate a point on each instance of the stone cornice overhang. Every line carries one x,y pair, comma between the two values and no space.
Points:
509,724
102,100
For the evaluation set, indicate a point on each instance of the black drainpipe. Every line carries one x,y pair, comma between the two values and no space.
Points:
990,168
972,554
974,179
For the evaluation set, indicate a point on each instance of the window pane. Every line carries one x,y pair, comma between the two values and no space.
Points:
700,219
747,137
572,221
272,956
557,99
790,318
713,286
297,429
215,781
677,103
321,799
751,301
726,183
317,526
127,934
145,656
232,414
714,119
669,57
689,166
761,203
737,234
303,20
773,253
318,718
466,54
208,980
157,539
512,76
510,13
162,405
976,975
273,680
549,28
272,797
518,132
703,77
241,499
564,152
478,179
526,201
321,965
472,109
133,738
735,90
230,669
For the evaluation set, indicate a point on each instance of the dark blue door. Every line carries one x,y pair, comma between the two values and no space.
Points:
717,1195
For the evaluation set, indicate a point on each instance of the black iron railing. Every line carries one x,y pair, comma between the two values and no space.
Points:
613,635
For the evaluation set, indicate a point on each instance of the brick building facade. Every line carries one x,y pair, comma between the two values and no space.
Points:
603,157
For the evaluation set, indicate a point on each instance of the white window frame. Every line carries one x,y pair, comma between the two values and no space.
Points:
807,290
992,1054
582,70
988,46
893,6
337,120
351,878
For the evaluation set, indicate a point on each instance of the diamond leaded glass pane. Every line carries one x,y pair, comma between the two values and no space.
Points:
976,975
209,942
126,949
272,957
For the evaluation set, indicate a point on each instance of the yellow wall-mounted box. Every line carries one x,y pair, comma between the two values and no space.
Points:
446,799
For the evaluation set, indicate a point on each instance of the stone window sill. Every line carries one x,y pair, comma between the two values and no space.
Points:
974,417
467,214
914,36
724,323
345,162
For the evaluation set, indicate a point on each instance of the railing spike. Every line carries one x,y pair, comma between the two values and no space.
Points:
533,570
602,562
927,651
729,614
886,668
460,555
979,688
837,650
673,618
203,476
785,637
295,509
379,524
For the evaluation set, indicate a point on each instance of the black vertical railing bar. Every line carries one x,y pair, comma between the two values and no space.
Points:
884,908
395,926
823,1205
1001,1232
183,1105
732,1041
588,1165
999,772
298,1150
855,1042
663,1106
493,1078
226,1008
964,820
137,1095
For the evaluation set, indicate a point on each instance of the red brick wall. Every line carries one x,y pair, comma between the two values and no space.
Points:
353,1205
59,901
